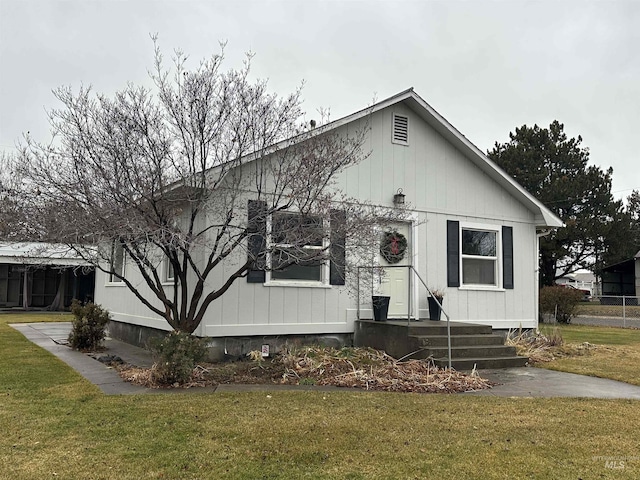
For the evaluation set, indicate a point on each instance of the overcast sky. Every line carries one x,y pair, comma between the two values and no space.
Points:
486,66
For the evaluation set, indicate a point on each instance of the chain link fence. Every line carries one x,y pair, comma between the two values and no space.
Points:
606,310
619,306
610,310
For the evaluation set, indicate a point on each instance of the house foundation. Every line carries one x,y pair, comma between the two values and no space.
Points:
230,348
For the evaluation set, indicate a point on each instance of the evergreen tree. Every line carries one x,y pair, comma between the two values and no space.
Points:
555,169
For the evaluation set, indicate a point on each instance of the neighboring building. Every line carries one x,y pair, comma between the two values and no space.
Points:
42,276
622,278
582,281
473,231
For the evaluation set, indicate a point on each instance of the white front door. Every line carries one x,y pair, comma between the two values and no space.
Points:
394,282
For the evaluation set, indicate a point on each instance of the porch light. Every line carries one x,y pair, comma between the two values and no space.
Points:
398,198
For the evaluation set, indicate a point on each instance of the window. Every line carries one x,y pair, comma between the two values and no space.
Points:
117,263
400,130
479,257
297,248
168,270
283,246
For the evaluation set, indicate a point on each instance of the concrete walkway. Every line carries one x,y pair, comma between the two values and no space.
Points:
514,382
540,382
53,338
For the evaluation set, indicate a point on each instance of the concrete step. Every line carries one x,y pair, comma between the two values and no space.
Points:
481,363
430,328
471,344
481,351
459,340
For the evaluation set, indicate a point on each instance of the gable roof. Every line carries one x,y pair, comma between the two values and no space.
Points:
543,216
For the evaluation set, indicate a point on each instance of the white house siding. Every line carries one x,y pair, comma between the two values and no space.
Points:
440,184
124,306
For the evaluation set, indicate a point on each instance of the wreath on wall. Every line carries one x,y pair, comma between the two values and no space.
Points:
393,246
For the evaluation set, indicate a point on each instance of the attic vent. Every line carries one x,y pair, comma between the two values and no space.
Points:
400,129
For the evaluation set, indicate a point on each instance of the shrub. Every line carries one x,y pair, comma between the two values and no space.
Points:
175,356
560,302
89,323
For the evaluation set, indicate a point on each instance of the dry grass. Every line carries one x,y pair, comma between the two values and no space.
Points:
549,346
371,369
363,368
539,347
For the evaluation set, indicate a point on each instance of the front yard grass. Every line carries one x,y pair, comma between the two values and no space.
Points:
54,424
616,354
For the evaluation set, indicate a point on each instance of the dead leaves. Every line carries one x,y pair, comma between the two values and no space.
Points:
373,370
363,368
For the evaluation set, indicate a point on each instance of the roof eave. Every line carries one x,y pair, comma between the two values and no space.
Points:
544,216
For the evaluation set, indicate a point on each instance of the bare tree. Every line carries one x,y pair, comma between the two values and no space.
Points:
195,174
10,207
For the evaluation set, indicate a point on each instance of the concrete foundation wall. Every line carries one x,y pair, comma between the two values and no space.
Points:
137,335
229,348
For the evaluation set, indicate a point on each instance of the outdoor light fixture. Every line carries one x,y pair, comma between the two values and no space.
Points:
398,198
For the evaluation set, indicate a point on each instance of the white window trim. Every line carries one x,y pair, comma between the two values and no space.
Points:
277,282
498,258
112,280
166,279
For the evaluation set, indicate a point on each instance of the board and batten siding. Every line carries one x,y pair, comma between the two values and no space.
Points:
434,175
440,184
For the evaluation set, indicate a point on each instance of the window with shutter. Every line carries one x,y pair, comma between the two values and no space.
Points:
479,256
295,248
297,243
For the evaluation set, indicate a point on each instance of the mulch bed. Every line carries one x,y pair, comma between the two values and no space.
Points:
362,368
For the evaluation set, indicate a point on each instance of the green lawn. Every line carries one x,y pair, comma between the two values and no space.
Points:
617,355
572,333
54,424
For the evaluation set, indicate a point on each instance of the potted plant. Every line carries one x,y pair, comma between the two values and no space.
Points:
435,303
380,307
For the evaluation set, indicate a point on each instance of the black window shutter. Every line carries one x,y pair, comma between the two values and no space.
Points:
453,253
337,248
257,241
507,257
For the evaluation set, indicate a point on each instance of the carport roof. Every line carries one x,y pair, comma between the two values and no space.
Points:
29,253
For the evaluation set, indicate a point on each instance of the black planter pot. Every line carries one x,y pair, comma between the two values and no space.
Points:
434,309
380,308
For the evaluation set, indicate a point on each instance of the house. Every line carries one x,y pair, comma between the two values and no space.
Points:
42,276
472,231
585,281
